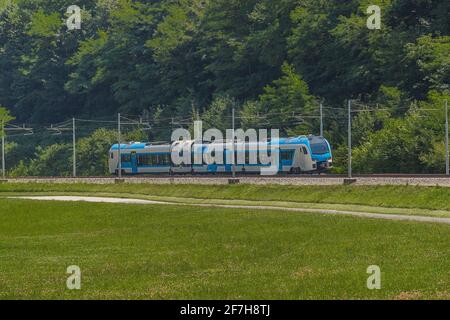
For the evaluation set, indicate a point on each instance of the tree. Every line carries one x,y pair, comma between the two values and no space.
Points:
114,69
180,63
243,44
284,104
413,144
50,161
93,151
219,113
431,56
5,117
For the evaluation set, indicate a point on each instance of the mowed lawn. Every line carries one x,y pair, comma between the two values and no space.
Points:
171,252
413,197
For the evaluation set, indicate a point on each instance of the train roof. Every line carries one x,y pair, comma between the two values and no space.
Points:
133,146
282,141
301,140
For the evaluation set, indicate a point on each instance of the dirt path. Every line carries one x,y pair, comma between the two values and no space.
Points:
302,210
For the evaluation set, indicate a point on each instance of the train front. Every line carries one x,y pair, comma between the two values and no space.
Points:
321,152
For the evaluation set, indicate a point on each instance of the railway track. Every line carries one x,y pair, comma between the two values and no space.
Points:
300,180
253,176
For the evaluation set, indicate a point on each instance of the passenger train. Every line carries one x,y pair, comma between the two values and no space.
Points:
303,154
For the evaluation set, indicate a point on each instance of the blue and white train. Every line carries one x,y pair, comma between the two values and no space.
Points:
304,154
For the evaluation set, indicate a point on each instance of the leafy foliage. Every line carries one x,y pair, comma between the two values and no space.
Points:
5,117
272,60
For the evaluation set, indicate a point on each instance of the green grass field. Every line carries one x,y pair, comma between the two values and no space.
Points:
404,200
436,198
174,252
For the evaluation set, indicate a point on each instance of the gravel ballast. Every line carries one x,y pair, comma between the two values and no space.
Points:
257,180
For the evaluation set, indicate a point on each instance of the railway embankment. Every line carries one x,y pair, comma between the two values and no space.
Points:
413,180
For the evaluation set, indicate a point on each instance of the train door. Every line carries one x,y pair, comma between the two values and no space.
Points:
134,162
305,161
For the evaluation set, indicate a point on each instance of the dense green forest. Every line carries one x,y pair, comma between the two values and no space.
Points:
275,61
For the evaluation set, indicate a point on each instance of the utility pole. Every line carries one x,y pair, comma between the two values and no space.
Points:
3,132
233,148
119,139
57,130
74,141
321,120
349,139
447,156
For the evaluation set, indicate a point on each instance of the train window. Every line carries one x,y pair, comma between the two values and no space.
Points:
287,155
305,151
319,148
154,160
145,160
112,155
126,157
163,160
167,159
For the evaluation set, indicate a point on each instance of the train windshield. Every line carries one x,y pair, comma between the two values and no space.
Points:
319,146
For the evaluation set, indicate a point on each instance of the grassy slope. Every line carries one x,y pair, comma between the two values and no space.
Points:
437,198
128,251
